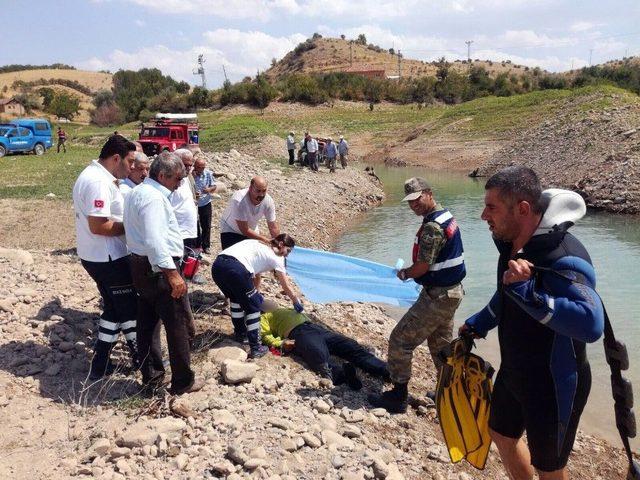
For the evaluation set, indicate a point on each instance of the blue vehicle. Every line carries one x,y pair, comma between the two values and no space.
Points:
25,135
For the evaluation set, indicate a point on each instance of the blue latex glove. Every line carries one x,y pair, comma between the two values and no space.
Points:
298,307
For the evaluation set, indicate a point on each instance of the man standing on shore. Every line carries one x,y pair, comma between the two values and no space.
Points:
312,153
438,265
291,146
102,249
205,187
343,151
156,248
546,308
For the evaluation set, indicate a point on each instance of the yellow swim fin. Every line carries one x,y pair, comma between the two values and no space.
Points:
478,374
454,409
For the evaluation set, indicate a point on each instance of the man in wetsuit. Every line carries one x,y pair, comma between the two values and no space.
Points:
545,308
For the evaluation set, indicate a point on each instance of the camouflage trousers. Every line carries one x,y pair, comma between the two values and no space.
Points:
430,319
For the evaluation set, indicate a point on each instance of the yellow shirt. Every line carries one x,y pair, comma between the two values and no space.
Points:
275,326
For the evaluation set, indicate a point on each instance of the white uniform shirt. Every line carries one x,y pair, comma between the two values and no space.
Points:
126,186
241,208
312,145
96,194
255,256
151,226
185,209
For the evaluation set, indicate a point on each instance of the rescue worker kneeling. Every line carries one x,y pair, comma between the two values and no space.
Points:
291,331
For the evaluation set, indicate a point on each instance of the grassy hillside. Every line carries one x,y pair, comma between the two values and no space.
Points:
93,81
337,55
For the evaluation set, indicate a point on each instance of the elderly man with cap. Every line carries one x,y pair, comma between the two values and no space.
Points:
291,146
138,173
155,242
331,152
438,265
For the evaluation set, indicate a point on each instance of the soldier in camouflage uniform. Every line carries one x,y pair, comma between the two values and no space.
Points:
438,265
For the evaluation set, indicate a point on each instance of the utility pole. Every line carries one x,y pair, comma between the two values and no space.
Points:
224,70
200,70
590,55
351,53
469,42
399,65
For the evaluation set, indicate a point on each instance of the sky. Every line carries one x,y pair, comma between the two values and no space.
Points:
245,35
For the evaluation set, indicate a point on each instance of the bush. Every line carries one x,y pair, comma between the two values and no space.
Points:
107,114
303,88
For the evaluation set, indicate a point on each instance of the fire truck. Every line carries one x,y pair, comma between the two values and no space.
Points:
168,132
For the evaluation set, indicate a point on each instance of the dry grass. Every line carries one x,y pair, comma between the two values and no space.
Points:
93,80
333,55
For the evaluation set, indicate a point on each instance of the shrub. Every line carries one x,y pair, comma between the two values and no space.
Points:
107,114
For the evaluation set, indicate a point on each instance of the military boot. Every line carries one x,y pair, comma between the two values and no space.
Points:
101,365
394,400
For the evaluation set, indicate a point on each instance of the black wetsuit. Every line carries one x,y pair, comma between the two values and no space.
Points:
543,324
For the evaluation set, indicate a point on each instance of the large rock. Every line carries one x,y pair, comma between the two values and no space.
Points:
140,434
330,438
234,371
16,257
219,355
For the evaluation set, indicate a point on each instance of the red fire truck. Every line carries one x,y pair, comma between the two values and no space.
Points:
169,132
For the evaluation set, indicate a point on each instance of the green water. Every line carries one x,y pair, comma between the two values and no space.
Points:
613,242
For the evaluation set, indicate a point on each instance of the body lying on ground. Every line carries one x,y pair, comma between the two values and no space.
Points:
293,332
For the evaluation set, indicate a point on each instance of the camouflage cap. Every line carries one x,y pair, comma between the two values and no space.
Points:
414,187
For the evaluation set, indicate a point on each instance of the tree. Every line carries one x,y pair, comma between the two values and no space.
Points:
47,95
64,105
199,97
362,39
28,101
343,36
103,97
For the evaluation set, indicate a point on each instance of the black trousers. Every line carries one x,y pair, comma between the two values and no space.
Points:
291,156
115,285
315,344
204,226
157,307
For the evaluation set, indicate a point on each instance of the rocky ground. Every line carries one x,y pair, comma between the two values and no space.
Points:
265,419
595,153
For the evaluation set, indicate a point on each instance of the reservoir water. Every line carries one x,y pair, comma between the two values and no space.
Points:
387,233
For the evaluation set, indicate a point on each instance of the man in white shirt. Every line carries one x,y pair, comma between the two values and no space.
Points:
139,172
183,201
246,207
291,146
102,249
156,246
312,153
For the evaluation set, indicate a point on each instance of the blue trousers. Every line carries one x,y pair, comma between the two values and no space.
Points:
235,281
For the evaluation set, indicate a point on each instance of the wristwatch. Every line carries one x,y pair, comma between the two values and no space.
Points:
403,274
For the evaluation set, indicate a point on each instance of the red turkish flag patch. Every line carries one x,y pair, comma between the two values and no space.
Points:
98,203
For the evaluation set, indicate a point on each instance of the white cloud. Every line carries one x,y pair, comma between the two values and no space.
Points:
583,26
529,38
242,53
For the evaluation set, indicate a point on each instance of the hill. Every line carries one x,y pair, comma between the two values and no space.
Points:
29,81
325,55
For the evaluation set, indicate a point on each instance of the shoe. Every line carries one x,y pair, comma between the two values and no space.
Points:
95,374
351,377
393,401
259,351
196,385
431,395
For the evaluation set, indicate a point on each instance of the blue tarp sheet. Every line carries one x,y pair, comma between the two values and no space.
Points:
330,277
